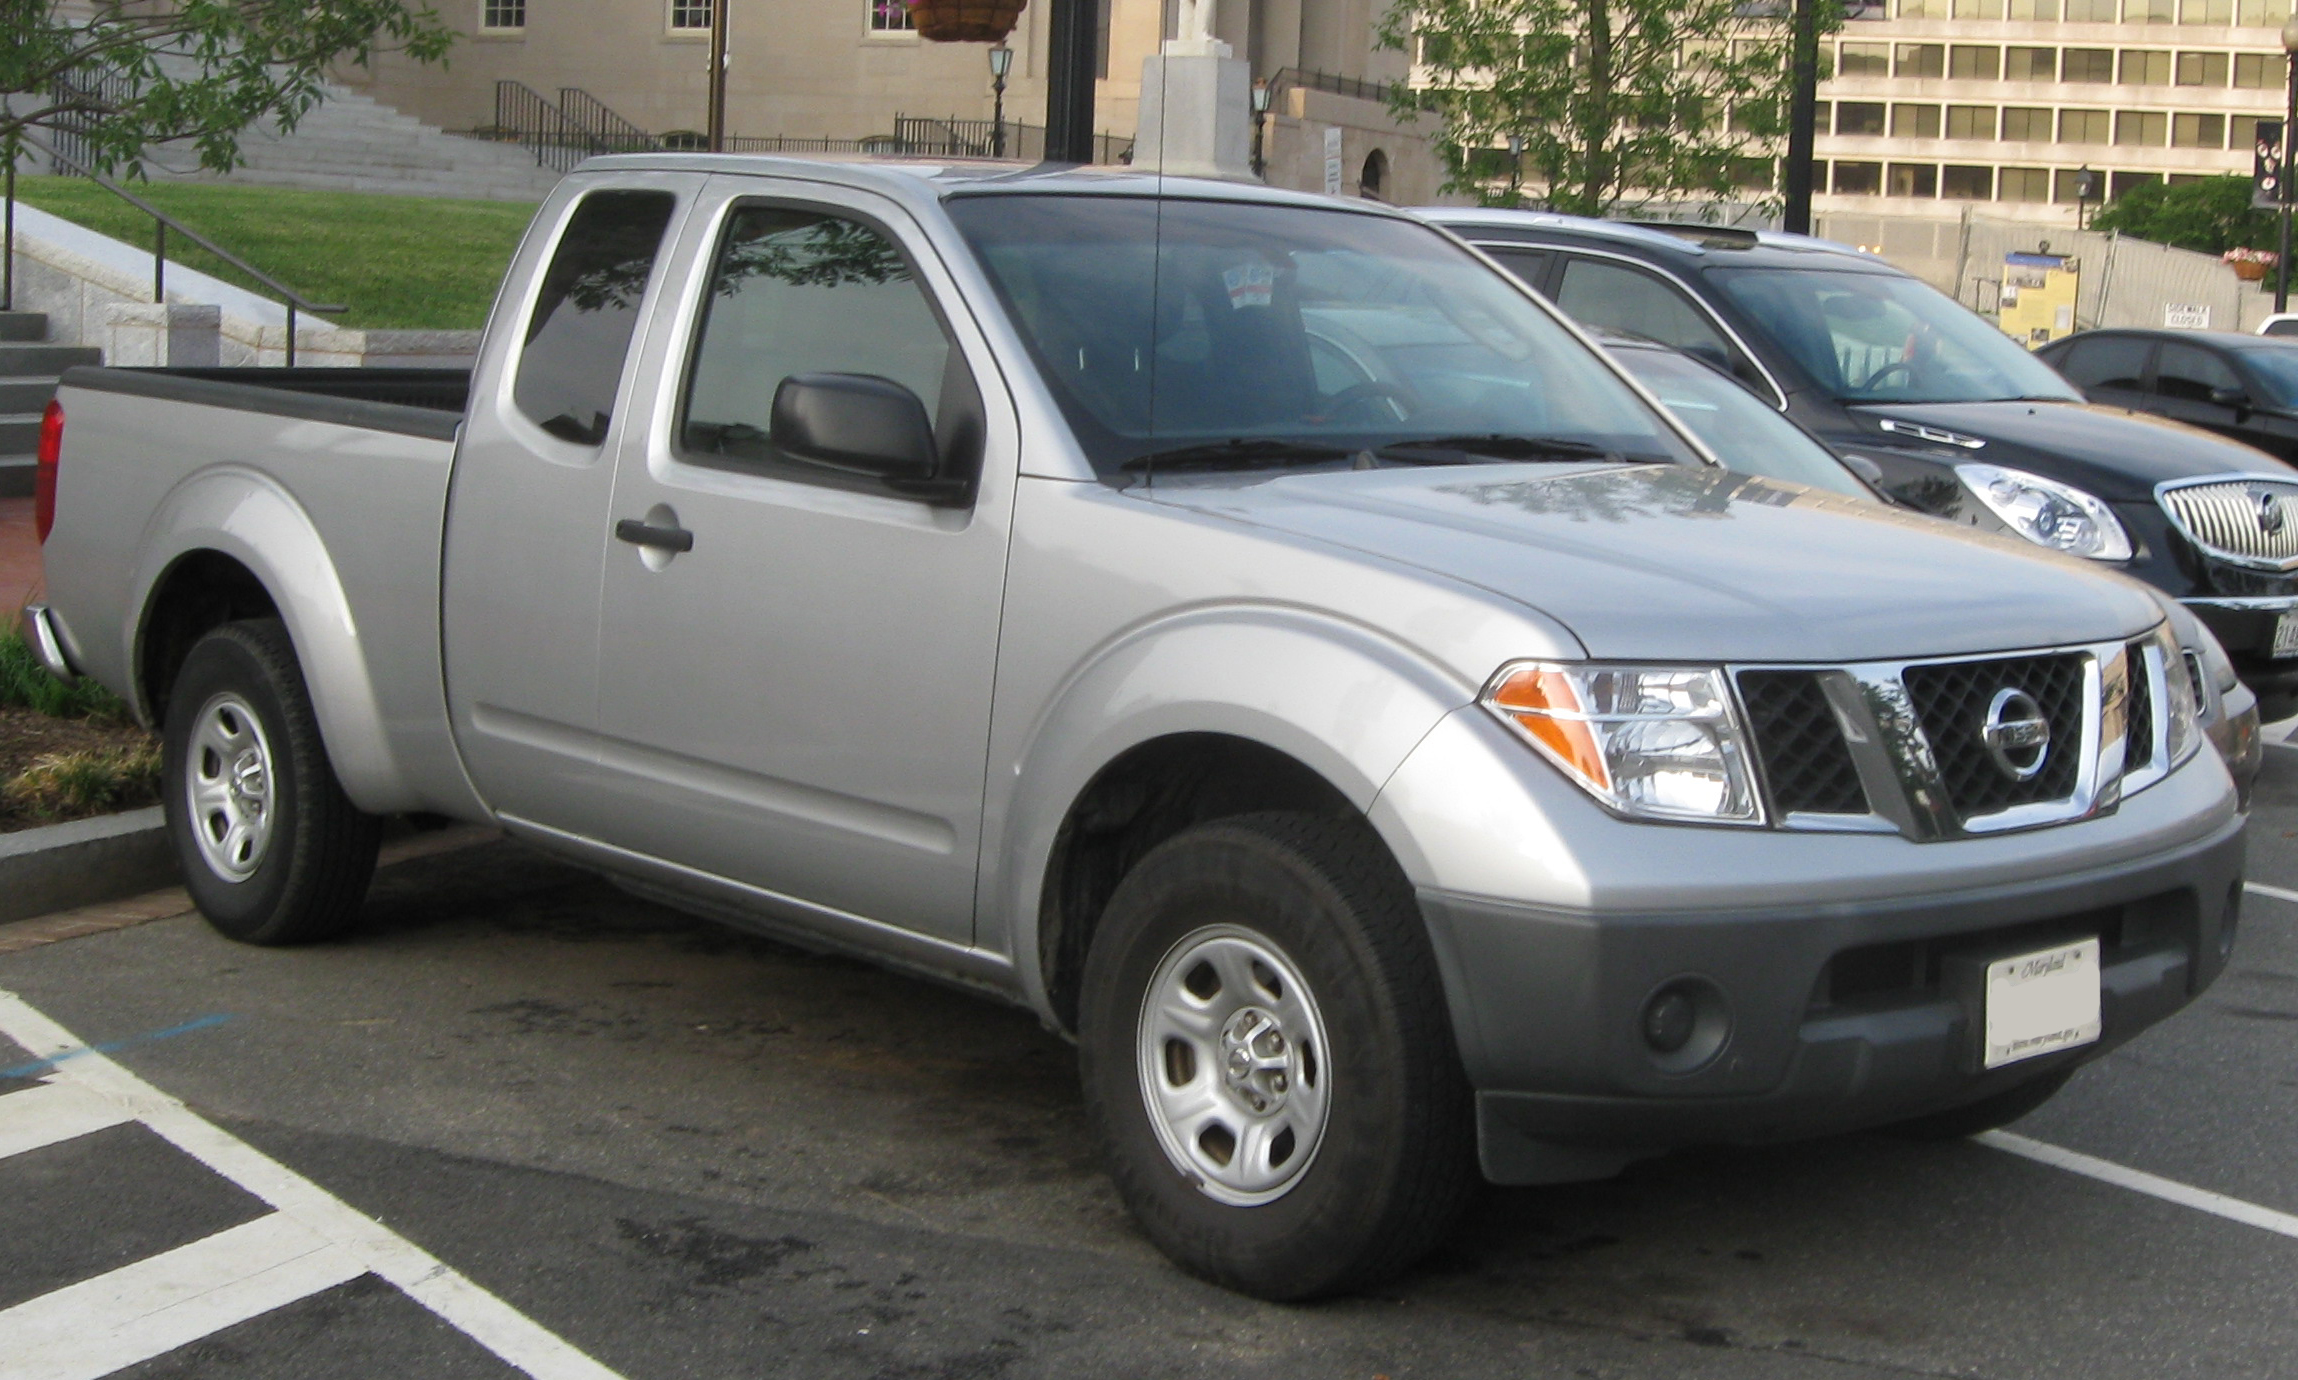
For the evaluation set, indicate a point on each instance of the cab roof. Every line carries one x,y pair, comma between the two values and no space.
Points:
1663,240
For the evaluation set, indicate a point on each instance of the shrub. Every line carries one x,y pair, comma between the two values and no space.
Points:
26,684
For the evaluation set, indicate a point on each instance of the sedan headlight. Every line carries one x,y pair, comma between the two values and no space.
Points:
2049,513
1650,742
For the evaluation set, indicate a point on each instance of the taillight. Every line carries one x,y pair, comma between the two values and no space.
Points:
44,478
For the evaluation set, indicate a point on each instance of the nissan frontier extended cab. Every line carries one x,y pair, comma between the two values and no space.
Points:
1245,628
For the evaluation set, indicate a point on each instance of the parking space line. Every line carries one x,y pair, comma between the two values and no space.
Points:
2275,892
51,1113
150,1308
470,1309
2139,1181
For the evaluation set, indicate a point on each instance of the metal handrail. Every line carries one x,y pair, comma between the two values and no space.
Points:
600,127
162,222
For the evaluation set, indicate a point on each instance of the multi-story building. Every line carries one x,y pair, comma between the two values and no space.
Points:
1938,104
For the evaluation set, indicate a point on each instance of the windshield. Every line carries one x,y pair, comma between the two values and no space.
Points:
2277,372
1743,430
1879,337
1233,334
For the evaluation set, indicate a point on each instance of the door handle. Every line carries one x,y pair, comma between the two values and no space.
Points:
639,533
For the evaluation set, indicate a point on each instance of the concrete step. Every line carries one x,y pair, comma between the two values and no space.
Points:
19,432
16,473
23,326
26,394
19,360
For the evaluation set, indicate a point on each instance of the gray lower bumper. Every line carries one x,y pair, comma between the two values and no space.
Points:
1838,1015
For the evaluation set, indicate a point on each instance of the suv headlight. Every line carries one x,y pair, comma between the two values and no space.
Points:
2185,716
2049,513
1650,742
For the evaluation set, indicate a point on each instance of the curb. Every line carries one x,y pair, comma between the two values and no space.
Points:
83,862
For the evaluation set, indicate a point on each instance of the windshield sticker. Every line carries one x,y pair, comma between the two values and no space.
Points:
1250,285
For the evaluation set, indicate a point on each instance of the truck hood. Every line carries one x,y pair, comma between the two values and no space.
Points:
2112,452
1674,563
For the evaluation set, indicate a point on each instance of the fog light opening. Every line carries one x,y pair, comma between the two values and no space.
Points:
1684,1024
2229,920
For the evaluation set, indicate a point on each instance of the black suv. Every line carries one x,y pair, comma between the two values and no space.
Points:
1954,417
2244,387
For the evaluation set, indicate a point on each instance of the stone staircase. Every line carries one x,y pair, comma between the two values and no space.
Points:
351,143
28,370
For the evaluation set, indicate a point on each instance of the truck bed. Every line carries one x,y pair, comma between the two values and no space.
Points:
414,402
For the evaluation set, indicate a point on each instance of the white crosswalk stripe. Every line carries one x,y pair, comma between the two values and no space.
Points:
317,1237
51,1113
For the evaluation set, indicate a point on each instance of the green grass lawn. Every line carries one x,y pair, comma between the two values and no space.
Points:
405,262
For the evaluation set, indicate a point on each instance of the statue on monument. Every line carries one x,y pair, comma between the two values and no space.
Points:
1194,32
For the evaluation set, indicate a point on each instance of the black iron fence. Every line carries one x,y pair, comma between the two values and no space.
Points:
564,132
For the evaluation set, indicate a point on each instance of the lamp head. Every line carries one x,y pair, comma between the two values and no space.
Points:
1000,60
1260,98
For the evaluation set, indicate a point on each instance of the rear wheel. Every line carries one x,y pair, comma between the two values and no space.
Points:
1267,1059
272,851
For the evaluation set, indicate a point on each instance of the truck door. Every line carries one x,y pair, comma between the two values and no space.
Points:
526,511
795,690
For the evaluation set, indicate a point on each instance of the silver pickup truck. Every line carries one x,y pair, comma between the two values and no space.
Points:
1247,629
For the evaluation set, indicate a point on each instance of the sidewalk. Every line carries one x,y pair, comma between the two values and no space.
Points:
20,577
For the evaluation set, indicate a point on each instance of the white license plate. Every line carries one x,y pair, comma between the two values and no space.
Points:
2286,635
2043,1001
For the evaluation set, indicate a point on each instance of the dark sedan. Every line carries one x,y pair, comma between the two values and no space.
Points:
2242,386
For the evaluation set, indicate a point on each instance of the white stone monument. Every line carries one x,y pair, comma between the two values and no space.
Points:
1196,104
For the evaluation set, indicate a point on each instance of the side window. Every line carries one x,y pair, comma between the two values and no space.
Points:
2191,374
800,292
580,332
1529,266
2112,362
1618,298
2287,326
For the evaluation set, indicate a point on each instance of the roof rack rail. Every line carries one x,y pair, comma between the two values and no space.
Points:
1719,235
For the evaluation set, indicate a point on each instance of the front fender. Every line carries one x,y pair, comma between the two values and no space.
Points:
243,514
1340,698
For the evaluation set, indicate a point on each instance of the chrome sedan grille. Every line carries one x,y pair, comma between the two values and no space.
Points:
2249,521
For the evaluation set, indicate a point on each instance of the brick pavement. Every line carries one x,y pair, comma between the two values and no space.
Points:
20,577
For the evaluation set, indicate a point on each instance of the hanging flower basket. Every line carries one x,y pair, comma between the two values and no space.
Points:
2249,265
965,21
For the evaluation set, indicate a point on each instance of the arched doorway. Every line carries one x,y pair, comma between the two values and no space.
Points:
1373,181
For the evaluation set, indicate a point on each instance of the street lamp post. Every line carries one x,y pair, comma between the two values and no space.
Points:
1260,128
717,137
1515,165
2282,183
1000,63
2086,192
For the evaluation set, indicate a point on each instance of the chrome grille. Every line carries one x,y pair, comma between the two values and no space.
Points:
2229,518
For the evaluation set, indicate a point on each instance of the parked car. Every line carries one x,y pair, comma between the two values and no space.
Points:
1960,418
1742,432
2280,323
992,572
2244,387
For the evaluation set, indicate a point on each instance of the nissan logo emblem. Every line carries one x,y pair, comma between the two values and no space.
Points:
2270,514
2016,734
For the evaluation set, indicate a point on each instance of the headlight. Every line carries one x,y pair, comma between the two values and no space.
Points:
2049,513
2185,715
1650,742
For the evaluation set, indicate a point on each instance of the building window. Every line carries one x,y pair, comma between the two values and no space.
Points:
1864,60
1914,122
2198,131
2024,184
1922,59
1970,122
2216,12
891,17
2261,14
2149,128
1978,9
2035,11
1924,9
690,14
1974,63
2082,126
1858,117
1967,184
2026,123
2030,64
2149,11
2092,11
1858,179
2242,130
498,15
2122,182
2202,69
2087,64
1914,179
2143,68
2258,71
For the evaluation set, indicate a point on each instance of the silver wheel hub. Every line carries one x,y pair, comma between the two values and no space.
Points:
228,787
1233,1065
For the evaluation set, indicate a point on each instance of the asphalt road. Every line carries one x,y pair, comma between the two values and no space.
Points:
668,1150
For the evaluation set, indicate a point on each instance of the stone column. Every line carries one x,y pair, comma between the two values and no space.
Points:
1196,104
149,334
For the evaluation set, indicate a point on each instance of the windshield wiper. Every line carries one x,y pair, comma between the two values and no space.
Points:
1239,452
1504,447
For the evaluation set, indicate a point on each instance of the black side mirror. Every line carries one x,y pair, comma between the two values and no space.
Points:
2230,397
856,422
1865,468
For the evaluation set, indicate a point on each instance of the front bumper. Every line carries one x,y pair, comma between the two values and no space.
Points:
1838,1015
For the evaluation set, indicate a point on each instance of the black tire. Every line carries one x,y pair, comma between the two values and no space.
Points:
1987,1114
1396,1160
307,877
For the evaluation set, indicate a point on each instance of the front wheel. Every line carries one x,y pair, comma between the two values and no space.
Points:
272,851
1267,1058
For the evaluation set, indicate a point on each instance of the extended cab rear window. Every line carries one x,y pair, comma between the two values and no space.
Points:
580,332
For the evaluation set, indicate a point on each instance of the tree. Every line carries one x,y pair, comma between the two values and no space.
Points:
122,75
1613,101
2213,215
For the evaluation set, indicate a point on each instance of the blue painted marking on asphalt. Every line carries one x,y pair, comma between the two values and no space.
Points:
40,1066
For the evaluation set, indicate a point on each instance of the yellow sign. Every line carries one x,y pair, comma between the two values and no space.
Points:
2039,297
